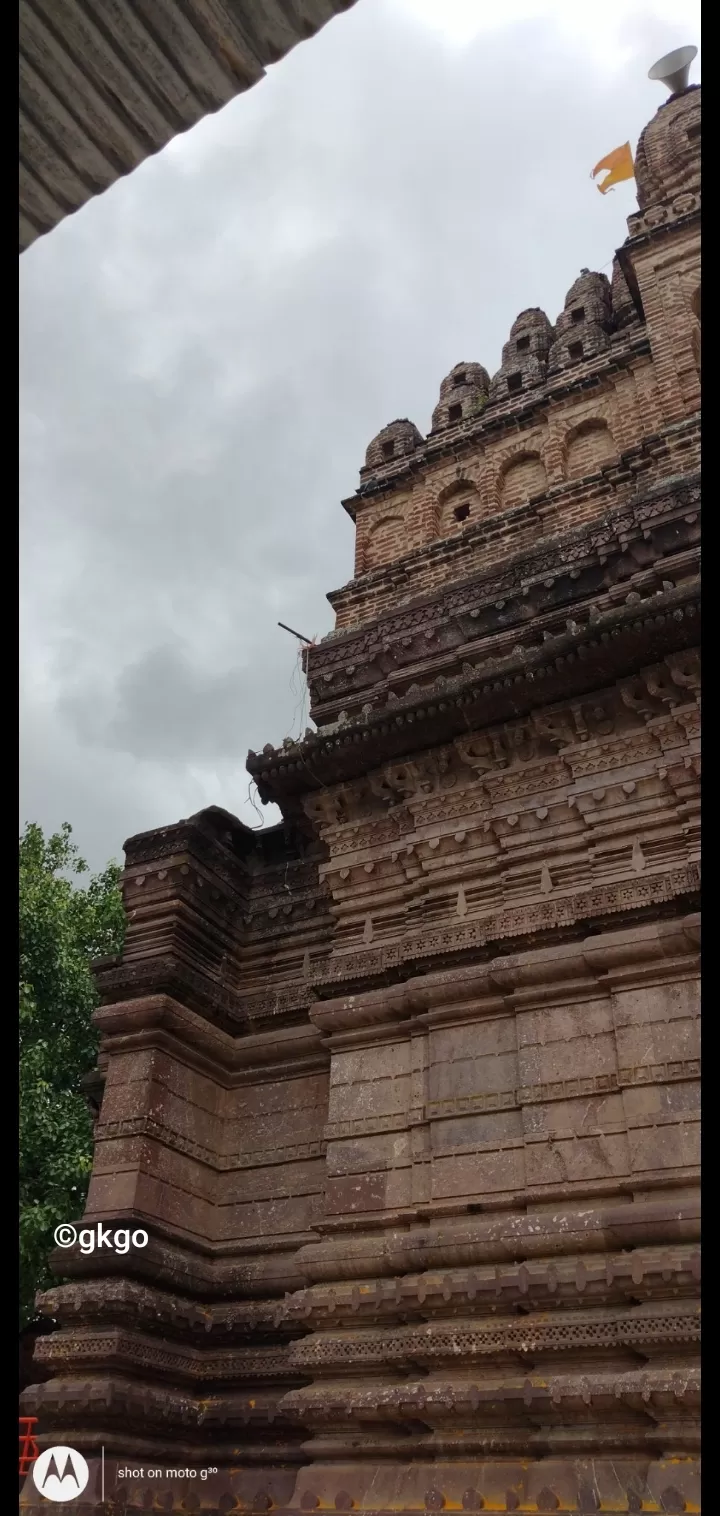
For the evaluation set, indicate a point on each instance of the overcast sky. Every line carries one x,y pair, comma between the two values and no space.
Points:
207,349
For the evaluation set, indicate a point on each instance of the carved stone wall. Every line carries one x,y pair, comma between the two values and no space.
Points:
405,1090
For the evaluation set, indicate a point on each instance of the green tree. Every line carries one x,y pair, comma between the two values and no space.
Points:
65,924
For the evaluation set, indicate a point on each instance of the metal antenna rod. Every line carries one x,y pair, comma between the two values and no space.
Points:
293,633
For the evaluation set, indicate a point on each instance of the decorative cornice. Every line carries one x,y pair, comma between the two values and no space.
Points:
125,1302
649,1389
130,1352
649,952
456,1242
596,905
557,1282
161,1021
512,603
677,215
615,483
619,642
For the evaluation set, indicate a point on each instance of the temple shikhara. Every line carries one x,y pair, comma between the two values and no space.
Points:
404,1089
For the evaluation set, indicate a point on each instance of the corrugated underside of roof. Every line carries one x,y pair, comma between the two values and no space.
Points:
104,84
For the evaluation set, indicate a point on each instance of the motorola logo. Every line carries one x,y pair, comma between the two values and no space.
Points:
60,1474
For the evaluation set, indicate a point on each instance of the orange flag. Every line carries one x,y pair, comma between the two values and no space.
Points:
621,166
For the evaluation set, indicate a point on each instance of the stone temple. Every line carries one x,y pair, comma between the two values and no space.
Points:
404,1089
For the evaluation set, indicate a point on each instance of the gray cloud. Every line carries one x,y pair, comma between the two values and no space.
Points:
163,707
208,348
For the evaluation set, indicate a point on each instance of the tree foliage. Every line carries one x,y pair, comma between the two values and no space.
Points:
65,923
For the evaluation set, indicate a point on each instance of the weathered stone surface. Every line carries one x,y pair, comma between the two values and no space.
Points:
405,1091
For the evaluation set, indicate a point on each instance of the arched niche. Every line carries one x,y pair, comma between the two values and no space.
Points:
587,447
385,541
523,477
458,506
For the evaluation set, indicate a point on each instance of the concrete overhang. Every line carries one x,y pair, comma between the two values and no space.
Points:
104,84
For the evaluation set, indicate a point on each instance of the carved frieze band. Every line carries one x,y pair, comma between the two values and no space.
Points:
133,1353
143,1307
572,662
536,1094
461,613
222,1163
426,943
655,217
650,1389
645,1274
517,1400
660,1323
628,895
457,1341
156,1406
602,1280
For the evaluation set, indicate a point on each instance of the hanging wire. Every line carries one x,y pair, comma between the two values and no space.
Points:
251,798
301,715
299,689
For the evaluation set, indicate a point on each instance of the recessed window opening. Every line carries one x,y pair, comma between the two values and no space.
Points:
454,413
388,449
575,351
460,378
461,512
514,383
578,314
522,345
693,133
